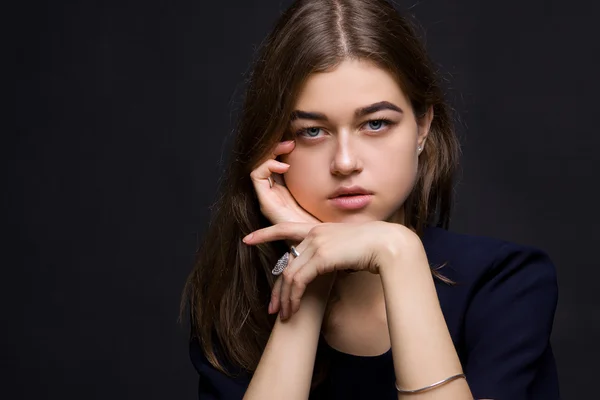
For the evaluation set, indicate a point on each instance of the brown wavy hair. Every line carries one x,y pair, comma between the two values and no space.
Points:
229,288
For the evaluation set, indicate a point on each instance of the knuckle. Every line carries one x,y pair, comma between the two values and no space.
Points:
318,242
323,269
320,253
315,232
298,284
319,228
274,296
295,305
276,286
287,276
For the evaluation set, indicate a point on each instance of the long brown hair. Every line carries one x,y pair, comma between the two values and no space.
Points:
229,288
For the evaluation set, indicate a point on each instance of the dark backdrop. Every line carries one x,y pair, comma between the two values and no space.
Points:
124,113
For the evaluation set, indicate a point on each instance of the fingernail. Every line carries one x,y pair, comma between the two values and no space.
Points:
248,237
289,141
270,310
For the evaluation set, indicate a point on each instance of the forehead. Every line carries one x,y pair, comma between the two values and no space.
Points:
352,84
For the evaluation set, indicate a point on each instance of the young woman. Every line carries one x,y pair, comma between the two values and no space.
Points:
341,177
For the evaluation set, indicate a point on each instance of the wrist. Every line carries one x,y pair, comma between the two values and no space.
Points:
400,247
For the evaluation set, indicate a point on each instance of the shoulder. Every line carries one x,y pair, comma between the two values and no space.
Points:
500,312
473,259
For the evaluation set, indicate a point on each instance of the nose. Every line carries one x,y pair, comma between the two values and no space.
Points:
345,160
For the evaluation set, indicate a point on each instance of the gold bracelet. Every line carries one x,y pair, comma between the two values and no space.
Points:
430,386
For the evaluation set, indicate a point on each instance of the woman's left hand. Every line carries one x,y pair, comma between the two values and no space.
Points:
325,248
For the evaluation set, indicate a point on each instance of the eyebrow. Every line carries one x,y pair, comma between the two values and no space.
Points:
359,112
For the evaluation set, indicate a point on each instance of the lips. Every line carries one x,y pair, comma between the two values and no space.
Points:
345,191
351,202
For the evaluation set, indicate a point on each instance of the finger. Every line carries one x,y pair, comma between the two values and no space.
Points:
279,149
284,148
305,271
295,264
276,295
266,169
306,274
294,231
298,289
260,176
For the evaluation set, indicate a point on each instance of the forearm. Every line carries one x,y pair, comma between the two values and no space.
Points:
421,343
286,366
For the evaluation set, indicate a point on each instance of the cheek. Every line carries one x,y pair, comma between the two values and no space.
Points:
301,178
399,176
397,169
394,157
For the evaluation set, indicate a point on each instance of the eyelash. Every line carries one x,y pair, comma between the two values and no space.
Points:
386,121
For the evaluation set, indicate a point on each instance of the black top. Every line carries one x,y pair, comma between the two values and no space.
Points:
499,315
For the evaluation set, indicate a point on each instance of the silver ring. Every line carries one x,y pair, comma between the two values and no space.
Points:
270,181
281,264
294,252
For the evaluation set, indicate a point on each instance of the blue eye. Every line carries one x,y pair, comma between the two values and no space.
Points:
312,131
376,124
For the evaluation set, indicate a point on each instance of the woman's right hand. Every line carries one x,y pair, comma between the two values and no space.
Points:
276,203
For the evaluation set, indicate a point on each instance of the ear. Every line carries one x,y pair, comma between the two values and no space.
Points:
423,125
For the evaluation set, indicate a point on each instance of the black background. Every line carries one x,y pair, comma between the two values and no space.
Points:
123,120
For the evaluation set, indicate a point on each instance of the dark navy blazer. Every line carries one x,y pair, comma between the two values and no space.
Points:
500,317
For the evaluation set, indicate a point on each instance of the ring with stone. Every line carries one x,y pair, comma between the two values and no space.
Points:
282,263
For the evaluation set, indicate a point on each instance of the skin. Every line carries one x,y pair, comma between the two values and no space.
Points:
380,156
390,258
416,324
377,150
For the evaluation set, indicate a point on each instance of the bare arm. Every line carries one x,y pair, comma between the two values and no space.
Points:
421,343
286,366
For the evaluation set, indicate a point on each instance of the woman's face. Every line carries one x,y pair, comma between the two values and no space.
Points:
354,126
